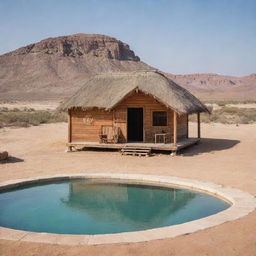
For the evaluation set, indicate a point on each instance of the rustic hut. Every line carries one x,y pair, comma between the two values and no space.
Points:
143,109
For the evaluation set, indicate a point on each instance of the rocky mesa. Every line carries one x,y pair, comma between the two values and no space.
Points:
55,67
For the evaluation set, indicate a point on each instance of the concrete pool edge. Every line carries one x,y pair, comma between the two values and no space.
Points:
242,203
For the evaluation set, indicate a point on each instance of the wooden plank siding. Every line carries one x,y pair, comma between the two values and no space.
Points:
182,126
86,125
83,131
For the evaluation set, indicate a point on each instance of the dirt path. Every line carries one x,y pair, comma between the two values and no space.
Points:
226,156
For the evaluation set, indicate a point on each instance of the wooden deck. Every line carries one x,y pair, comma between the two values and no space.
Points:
154,146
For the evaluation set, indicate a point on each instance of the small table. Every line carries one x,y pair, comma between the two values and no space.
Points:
164,135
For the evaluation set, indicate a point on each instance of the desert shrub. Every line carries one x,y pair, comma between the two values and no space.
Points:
3,109
228,115
210,108
222,104
29,109
31,117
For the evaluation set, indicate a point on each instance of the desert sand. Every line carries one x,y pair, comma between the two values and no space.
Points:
226,155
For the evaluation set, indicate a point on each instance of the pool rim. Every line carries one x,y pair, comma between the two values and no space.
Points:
242,203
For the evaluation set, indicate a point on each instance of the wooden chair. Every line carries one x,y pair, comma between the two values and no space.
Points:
109,134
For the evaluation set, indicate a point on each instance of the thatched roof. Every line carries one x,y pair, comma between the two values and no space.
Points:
105,91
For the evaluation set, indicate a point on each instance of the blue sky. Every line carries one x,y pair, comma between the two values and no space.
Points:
176,36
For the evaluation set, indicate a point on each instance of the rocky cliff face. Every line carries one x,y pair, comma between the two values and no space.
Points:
80,45
56,67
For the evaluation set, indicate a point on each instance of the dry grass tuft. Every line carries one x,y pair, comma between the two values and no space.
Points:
229,115
29,117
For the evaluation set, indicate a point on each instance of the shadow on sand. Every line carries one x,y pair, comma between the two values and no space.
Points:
208,145
11,160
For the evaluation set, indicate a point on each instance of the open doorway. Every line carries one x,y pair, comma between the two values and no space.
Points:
135,124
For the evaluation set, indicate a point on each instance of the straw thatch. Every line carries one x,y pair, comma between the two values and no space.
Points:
105,91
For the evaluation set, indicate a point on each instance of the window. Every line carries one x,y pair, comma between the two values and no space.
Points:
159,118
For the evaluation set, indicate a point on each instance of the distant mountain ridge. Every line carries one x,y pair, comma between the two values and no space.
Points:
212,87
55,68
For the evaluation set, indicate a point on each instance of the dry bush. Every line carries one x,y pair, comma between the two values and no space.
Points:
28,117
229,115
227,102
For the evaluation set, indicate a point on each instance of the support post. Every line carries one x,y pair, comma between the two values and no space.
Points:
198,126
175,128
69,130
187,125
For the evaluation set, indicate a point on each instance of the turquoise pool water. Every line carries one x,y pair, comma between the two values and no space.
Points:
95,207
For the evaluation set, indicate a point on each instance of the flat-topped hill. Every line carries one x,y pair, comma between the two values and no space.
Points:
55,67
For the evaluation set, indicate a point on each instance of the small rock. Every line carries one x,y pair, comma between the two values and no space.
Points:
3,155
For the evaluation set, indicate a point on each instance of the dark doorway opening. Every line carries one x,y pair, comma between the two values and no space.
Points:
135,124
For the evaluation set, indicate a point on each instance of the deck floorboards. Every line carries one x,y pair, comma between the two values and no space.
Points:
154,146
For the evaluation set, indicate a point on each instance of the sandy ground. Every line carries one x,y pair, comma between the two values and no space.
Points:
226,155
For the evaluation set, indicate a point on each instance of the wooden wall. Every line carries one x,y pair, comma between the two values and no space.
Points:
182,130
86,125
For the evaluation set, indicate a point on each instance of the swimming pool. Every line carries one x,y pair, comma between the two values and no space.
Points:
114,208
90,206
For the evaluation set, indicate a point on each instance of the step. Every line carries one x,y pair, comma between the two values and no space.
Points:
136,147
135,154
136,151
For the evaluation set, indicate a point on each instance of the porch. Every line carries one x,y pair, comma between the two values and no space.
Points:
153,146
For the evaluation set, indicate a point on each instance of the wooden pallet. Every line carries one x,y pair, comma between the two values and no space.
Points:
136,151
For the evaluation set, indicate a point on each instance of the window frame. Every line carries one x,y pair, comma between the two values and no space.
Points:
152,116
